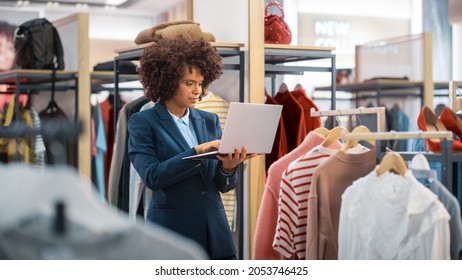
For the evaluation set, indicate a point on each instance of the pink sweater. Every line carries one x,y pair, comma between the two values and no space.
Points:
268,212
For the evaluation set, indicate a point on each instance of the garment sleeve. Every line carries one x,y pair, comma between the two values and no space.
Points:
287,219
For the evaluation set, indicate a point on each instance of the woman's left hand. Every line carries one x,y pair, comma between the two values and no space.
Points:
231,161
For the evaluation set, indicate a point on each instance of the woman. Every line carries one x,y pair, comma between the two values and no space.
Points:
186,198
7,54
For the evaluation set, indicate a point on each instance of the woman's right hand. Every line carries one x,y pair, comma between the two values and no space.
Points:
207,147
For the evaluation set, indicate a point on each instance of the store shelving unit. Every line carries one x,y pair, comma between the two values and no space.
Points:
279,60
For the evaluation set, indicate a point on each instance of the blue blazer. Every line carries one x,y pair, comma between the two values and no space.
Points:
186,196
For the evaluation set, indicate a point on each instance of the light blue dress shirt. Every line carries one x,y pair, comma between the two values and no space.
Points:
186,129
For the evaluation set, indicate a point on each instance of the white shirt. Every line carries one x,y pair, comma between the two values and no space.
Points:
392,217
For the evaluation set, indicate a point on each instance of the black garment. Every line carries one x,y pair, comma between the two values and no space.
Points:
56,116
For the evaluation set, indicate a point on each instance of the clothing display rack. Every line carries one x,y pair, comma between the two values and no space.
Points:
454,87
382,88
104,80
26,80
279,57
446,157
380,111
31,81
51,130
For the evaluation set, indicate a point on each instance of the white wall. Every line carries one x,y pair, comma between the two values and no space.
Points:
226,19
106,26
373,8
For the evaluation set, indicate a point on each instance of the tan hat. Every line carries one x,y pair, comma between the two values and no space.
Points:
188,29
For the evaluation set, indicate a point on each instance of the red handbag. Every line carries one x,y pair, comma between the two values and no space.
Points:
276,29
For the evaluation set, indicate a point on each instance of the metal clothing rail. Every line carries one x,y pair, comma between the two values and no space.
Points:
380,111
52,131
446,157
397,135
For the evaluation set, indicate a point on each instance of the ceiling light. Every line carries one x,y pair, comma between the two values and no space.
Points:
114,2
110,8
52,4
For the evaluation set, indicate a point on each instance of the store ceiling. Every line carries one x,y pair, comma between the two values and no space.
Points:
146,5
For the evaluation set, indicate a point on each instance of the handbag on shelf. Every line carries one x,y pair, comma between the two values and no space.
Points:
276,29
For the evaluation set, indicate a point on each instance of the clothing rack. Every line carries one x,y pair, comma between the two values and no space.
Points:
398,135
446,157
453,87
52,130
380,111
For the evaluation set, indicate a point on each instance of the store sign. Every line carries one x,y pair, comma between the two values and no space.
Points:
345,32
332,33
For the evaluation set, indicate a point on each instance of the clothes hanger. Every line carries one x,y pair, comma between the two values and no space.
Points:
353,143
334,135
28,105
321,131
298,87
52,107
392,161
283,88
419,162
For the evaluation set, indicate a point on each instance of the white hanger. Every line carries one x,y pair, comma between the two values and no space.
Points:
419,162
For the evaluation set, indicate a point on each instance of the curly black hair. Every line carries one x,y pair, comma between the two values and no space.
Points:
162,65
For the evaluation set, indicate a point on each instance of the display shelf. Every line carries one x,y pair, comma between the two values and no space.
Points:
104,80
381,88
21,80
279,57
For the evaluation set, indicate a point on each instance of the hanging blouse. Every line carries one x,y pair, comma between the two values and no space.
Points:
392,217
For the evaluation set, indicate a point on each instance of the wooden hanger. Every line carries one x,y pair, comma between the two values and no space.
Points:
334,135
392,161
322,131
354,142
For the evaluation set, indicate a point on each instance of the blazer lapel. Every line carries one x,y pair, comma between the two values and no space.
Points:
199,126
169,125
201,133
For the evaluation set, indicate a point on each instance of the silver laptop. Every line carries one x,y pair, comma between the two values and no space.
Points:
251,125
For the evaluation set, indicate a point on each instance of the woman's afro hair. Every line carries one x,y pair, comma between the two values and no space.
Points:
163,63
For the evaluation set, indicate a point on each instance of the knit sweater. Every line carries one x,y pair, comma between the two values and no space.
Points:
330,180
268,212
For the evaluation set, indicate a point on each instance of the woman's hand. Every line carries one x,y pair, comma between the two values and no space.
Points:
231,161
207,147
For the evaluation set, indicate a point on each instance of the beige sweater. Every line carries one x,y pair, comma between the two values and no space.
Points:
330,180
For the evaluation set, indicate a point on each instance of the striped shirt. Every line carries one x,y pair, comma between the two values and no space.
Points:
290,236
217,105
39,145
